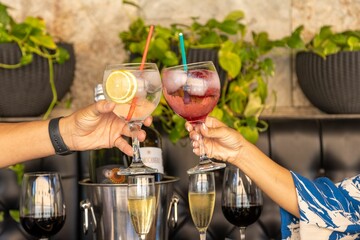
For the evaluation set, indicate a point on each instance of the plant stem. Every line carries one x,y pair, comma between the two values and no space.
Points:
53,89
10,66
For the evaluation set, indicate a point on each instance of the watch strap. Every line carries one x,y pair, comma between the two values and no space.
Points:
56,139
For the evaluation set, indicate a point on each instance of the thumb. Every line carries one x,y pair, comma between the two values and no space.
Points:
103,107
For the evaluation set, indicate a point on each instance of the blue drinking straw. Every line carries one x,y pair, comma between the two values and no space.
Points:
182,49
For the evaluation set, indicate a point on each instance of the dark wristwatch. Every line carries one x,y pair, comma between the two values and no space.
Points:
56,139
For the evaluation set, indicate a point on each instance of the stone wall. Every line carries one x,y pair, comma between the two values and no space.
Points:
93,27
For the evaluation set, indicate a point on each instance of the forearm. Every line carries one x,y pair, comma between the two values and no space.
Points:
272,178
24,141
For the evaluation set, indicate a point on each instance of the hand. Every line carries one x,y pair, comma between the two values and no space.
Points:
96,127
220,141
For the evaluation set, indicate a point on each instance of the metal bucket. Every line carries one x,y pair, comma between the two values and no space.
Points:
106,206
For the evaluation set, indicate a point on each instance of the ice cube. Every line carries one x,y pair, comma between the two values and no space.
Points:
141,90
196,86
153,83
174,80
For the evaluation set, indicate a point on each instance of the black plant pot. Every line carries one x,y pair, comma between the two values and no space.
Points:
26,91
330,84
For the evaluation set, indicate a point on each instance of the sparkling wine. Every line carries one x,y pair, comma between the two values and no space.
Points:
42,227
141,212
202,208
242,216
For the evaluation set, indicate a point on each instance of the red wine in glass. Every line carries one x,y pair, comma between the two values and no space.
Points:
42,205
42,227
242,216
241,200
193,91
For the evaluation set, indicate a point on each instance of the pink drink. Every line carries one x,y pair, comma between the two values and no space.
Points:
192,95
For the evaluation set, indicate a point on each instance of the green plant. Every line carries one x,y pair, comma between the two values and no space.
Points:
246,63
19,171
325,42
32,38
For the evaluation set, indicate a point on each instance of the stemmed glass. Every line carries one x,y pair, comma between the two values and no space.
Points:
42,205
202,200
192,91
141,203
136,89
241,199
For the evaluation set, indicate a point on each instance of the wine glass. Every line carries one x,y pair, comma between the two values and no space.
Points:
42,205
202,200
241,201
141,203
136,89
193,91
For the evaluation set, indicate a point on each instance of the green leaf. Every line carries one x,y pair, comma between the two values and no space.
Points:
171,59
26,59
235,15
229,26
4,36
19,171
36,23
254,106
295,41
229,61
249,133
63,55
353,43
217,113
5,18
15,214
44,40
210,38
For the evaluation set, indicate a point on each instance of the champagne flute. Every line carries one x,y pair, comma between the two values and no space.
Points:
141,203
136,89
192,91
42,205
202,200
241,199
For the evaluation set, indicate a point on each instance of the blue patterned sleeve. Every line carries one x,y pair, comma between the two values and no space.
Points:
327,210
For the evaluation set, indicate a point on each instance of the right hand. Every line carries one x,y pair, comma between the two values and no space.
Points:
220,141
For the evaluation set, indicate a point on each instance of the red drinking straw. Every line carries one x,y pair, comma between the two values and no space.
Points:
143,60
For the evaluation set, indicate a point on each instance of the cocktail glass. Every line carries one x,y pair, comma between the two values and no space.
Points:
136,89
192,91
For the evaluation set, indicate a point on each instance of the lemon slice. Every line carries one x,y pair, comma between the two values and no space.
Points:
121,86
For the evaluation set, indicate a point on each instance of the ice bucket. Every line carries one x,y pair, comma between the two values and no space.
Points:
105,209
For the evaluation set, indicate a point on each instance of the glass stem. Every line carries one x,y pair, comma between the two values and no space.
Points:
135,128
203,235
242,233
203,157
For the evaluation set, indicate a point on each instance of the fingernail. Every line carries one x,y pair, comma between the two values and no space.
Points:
197,137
